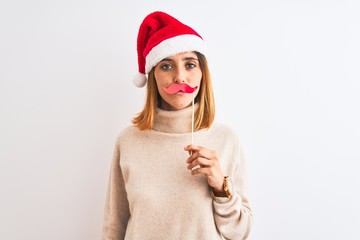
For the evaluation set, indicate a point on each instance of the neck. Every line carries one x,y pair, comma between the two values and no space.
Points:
176,121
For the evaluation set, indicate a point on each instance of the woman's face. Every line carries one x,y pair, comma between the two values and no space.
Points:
181,68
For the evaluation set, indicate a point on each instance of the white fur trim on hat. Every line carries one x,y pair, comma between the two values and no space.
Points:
173,46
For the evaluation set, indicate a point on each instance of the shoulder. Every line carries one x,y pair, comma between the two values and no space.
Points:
128,133
225,131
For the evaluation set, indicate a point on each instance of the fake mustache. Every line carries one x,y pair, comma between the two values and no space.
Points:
179,87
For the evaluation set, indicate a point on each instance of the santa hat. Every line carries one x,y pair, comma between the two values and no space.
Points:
160,36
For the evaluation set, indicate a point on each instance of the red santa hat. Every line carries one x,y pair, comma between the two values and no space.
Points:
160,36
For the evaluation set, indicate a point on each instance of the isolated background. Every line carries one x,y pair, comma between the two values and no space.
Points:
286,76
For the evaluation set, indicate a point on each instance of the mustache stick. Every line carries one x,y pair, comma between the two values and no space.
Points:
192,119
183,87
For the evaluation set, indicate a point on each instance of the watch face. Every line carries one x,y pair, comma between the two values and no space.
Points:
228,188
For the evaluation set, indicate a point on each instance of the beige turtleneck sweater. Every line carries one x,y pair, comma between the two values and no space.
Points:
152,195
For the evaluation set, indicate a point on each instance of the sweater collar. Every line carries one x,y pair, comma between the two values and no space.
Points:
178,121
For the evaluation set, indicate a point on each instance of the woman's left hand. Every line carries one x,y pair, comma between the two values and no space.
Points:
208,163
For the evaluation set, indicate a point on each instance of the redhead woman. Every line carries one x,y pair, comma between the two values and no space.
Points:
175,172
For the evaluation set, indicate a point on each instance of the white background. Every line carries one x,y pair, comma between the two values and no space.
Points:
286,77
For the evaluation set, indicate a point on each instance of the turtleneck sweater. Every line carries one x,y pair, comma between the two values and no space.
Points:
152,195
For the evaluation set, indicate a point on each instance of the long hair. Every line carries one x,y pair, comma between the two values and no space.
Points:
205,113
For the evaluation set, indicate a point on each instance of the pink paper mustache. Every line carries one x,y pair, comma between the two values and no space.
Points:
179,87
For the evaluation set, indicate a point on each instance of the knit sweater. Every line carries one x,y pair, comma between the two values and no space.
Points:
152,195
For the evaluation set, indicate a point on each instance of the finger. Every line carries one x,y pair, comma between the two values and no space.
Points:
205,152
201,154
199,150
203,162
192,157
204,171
192,148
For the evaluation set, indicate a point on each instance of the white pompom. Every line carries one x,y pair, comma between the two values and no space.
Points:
140,80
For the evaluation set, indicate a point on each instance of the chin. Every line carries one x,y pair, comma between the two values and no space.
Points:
179,106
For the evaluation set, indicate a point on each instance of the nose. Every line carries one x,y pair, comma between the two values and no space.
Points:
179,75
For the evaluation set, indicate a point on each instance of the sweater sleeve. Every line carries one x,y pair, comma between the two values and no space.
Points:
233,216
116,213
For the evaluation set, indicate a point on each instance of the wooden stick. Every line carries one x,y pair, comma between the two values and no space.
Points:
192,120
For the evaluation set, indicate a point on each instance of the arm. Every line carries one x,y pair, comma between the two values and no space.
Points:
233,216
116,213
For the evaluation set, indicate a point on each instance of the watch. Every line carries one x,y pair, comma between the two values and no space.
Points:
227,187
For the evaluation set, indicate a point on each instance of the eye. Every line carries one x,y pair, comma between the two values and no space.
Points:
190,65
166,66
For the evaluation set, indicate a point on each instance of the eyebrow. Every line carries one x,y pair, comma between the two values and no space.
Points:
184,59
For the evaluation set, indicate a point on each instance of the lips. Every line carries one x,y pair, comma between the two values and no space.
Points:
179,87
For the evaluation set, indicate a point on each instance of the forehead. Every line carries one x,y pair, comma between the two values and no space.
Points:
182,56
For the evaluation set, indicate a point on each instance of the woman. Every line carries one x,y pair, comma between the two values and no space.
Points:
162,185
